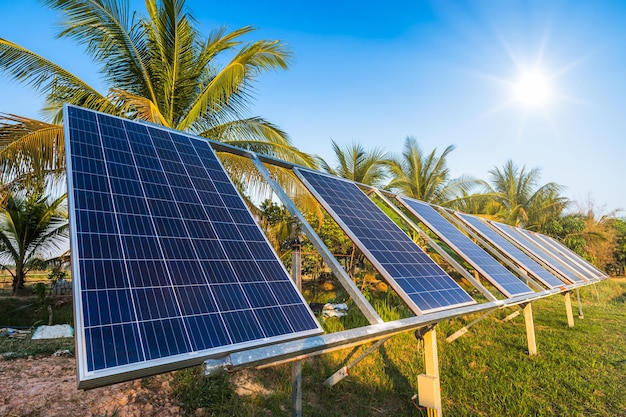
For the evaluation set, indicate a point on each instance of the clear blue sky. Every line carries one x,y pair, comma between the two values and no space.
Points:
442,71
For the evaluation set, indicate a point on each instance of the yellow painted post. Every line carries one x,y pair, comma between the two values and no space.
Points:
429,389
530,329
568,309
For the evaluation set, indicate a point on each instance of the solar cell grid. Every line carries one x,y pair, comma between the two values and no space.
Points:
418,280
489,267
546,257
169,265
480,227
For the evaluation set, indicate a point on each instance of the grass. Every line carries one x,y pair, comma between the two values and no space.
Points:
579,371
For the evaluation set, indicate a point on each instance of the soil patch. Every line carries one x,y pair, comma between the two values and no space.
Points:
46,386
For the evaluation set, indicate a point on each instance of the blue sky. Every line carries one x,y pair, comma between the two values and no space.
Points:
441,71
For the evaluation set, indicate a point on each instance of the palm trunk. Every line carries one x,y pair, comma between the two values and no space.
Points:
18,279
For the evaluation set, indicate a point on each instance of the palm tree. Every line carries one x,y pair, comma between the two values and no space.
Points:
587,231
159,69
518,201
426,177
357,164
32,228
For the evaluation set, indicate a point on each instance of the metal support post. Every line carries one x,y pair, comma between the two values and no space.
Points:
296,389
511,316
465,328
343,372
530,329
428,386
296,272
580,306
568,309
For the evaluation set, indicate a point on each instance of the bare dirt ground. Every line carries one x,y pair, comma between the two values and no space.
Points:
46,386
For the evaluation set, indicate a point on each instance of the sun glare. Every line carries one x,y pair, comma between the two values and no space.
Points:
532,89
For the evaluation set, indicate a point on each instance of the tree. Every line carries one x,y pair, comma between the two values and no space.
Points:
158,68
517,200
33,228
570,230
426,177
355,163
276,222
619,254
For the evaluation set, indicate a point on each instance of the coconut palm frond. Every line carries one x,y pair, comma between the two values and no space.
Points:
62,93
356,163
13,127
521,203
424,176
136,107
260,136
111,38
30,150
215,94
227,87
173,48
35,71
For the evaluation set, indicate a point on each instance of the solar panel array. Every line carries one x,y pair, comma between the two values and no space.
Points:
510,250
169,266
570,254
421,283
534,237
526,244
490,268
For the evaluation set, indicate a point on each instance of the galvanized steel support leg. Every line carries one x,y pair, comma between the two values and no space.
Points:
465,328
296,389
580,306
343,372
296,272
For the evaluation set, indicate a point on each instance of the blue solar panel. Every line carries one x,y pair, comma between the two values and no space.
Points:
421,283
522,241
493,237
491,269
556,254
169,266
568,253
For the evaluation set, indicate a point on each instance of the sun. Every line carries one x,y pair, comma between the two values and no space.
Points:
532,89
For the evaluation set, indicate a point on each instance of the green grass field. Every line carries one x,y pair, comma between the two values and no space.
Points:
579,371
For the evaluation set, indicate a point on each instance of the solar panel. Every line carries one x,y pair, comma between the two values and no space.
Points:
169,266
485,264
417,279
555,253
523,242
567,252
498,241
